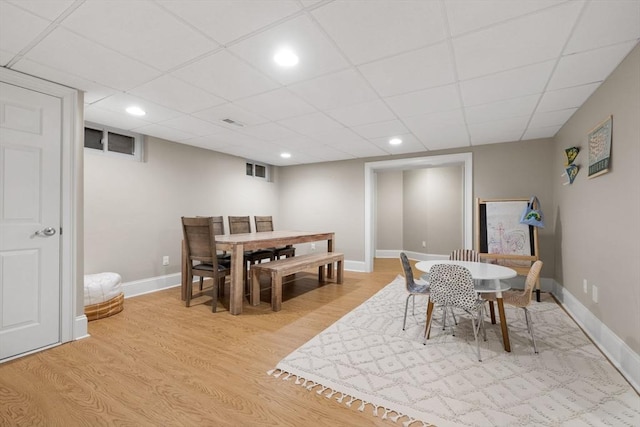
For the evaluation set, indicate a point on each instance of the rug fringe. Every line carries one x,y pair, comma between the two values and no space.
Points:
329,394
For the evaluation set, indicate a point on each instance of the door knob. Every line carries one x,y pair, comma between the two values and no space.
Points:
46,232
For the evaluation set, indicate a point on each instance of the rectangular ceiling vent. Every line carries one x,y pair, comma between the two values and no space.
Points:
233,122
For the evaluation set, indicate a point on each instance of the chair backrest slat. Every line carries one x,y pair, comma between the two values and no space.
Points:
263,223
218,225
239,224
465,255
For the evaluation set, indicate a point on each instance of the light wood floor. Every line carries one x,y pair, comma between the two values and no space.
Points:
158,363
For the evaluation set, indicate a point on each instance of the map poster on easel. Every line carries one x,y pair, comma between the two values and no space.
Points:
505,233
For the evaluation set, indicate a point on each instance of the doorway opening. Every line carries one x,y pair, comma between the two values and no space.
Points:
370,192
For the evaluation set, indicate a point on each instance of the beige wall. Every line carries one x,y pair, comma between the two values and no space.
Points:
433,210
133,209
388,216
325,197
597,222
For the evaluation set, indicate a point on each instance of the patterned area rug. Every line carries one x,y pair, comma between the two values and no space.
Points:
365,359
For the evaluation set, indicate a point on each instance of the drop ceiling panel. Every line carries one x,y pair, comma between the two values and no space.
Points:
18,28
65,50
112,118
230,111
534,38
566,98
419,69
93,91
508,84
162,42
228,20
440,130
171,92
5,57
498,131
360,114
120,102
268,132
335,90
50,9
193,125
317,56
551,118
588,67
444,73
362,149
515,107
276,105
328,154
381,129
425,101
164,132
537,133
602,25
470,15
310,124
367,31
410,144
338,137
226,76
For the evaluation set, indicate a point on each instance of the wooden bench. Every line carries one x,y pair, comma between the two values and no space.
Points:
281,268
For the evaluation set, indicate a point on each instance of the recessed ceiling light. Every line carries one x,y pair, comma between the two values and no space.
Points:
395,141
285,155
285,57
136,111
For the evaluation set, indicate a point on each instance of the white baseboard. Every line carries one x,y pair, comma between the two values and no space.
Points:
80,327
152,284
417,256
354,266
616,350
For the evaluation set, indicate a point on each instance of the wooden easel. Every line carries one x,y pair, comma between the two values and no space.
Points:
481,239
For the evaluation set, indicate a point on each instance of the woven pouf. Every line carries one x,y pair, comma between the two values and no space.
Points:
103,296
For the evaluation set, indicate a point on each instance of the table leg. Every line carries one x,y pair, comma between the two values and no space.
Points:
183,282
503,324
427,330
236,291
330,249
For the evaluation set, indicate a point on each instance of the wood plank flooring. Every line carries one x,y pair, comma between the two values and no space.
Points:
158,363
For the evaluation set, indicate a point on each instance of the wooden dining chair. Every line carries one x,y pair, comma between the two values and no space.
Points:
201,256
265,223
242,224
521,299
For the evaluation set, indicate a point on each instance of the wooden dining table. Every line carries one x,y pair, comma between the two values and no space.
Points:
236,244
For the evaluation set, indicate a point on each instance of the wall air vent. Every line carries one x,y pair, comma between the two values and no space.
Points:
233,122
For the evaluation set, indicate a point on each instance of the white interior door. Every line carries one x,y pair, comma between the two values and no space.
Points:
30,204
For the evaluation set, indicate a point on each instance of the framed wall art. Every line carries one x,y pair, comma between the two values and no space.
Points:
599,144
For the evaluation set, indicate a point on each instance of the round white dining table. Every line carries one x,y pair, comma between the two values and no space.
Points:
487,278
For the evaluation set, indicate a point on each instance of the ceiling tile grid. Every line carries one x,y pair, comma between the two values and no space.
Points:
436,74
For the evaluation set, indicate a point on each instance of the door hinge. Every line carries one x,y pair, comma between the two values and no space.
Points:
61,231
